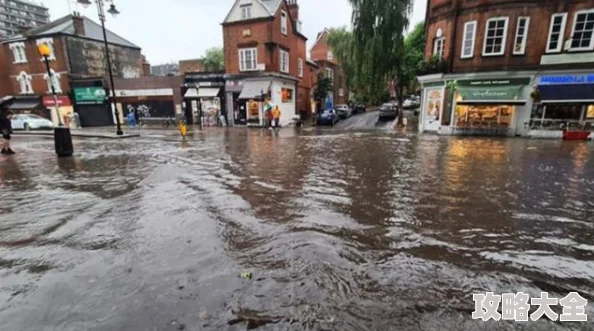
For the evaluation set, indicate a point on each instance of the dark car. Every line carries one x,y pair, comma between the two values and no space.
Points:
328,117
388,111
359,108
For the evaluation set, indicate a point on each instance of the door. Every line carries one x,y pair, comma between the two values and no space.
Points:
432,110
94,115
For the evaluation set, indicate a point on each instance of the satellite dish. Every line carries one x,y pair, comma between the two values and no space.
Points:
439,33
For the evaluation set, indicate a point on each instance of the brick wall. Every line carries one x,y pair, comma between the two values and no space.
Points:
443,15
195,65
252,35
5,86
35,67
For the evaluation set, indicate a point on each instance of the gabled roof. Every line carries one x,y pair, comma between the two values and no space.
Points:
65,25
320,37
269,8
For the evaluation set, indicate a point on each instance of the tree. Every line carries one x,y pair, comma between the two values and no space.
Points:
414,50
378,43
323,87
214,60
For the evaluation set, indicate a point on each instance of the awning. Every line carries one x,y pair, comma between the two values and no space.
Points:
191,93
508,94
208,92
255,89
25,104
576,93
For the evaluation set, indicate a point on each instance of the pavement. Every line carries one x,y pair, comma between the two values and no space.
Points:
82,133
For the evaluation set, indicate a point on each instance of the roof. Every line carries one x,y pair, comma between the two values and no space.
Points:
65,25
271,5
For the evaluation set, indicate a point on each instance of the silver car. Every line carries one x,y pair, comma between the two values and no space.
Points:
30,122
344,111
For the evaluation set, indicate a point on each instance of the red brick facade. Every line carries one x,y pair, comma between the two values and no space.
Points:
5,86
264,34
451,15
321,53
35,67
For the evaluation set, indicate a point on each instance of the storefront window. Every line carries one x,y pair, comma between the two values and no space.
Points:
484,116
287,95
590,112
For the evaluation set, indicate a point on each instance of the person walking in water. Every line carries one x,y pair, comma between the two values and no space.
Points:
276,114
6,127
269,117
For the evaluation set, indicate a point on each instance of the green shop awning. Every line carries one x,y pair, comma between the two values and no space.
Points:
491,91
492,95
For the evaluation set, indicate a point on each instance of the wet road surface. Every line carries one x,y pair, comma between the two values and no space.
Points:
341,231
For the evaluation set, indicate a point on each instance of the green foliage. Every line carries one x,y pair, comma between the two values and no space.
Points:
323,87
214,60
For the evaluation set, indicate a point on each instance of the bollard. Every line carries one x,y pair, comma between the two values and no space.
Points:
63,141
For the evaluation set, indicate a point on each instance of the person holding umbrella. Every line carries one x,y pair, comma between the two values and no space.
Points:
5,124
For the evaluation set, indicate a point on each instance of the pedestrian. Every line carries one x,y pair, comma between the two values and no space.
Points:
269,118
276,114
6,128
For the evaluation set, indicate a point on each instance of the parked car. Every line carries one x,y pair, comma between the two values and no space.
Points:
359,108
388,111
328,117
412,102
344,111
30,122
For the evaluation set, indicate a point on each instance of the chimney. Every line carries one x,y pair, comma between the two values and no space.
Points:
79,24
293,9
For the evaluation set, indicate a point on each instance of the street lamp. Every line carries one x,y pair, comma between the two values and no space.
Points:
62,137
114,12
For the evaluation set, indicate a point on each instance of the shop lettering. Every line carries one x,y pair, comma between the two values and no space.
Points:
488,93
567,79
490,82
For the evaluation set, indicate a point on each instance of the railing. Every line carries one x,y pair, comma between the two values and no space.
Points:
559,125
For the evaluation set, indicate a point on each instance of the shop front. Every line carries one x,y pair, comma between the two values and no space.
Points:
476,107
90,103
564,106
30,105
258,93
204,99
65,108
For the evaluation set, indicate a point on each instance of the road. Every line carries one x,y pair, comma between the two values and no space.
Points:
341,230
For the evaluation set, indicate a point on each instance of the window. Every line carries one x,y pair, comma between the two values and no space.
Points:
246,12
18,50
557,29
50,43
284,61
300,67
468,41
438,47
54,80
330,56
521,35
25,83
287,95
248,59
284,22
330,73
583,28
495,36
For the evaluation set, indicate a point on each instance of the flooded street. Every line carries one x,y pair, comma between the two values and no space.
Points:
341,231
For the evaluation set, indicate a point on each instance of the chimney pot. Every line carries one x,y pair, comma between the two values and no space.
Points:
79,25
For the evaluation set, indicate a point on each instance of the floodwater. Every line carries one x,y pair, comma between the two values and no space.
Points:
340,231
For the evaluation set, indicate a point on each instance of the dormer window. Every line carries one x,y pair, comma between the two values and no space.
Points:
246,11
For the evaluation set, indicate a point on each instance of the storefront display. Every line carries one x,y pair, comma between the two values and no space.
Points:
484,116
433,109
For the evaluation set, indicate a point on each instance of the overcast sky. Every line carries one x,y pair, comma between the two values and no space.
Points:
188,27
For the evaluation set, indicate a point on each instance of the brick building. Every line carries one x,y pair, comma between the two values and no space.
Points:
189,66
522,67
265,60
322,54
78,54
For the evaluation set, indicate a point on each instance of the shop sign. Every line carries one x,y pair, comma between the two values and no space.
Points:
49,101
494,82
89,95
566,79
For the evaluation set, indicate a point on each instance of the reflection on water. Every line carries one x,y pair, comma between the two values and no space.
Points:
341,231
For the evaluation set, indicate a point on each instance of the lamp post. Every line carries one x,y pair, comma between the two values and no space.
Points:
114,12
62,136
